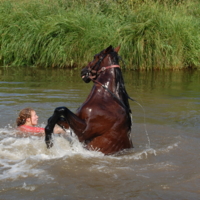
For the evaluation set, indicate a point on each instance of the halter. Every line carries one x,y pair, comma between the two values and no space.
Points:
97,72
104,86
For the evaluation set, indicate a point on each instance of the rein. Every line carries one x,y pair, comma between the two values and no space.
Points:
97,72
108,67
95,81
101,70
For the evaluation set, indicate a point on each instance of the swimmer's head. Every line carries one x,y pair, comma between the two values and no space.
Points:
24,115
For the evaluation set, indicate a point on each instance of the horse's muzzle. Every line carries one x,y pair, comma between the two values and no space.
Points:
85,73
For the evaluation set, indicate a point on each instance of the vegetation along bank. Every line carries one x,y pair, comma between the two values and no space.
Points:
153,34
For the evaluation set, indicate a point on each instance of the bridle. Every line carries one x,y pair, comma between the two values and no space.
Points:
93,74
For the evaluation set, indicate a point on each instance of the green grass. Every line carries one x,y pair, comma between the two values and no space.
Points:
67,33
161,37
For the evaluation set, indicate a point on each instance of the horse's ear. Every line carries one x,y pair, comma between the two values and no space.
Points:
117,49
108,49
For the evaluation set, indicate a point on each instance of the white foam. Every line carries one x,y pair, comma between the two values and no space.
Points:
18,169
30,188
20,155
169,148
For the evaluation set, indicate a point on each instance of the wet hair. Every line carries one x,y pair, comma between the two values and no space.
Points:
23,115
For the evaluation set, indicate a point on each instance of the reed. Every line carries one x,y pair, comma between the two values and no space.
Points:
153,34
161,37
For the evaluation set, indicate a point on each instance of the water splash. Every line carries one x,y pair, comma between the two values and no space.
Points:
26,187
20,156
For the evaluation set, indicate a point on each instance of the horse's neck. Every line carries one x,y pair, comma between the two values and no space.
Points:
108,80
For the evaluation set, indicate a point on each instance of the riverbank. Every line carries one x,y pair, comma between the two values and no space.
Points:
152,34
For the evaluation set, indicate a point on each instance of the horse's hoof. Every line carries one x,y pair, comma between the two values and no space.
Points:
49,144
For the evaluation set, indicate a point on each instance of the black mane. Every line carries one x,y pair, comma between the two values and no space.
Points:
119,84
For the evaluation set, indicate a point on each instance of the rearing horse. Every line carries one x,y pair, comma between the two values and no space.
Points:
103,121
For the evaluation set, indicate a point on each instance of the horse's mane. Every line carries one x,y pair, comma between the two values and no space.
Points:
119,82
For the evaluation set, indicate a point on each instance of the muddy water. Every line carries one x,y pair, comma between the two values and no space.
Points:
164,163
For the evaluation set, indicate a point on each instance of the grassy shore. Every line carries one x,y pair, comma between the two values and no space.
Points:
153,34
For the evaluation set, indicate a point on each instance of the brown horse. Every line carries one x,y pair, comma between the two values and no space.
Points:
103,122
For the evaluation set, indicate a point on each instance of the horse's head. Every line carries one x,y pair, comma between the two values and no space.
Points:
107,57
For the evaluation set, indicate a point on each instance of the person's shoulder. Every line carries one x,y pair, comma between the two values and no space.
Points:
23,128
31,129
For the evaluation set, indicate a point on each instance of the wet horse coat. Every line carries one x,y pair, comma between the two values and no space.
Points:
103,121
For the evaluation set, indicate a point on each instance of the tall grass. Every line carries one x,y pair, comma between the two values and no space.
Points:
66,33
161,37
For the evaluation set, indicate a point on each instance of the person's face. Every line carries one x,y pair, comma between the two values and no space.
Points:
34,118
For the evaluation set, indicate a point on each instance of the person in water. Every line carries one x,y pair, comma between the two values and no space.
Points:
27,121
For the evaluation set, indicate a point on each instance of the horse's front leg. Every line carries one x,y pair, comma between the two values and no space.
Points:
62,122
49,128
74,122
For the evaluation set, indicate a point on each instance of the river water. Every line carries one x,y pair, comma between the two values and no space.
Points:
164,163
